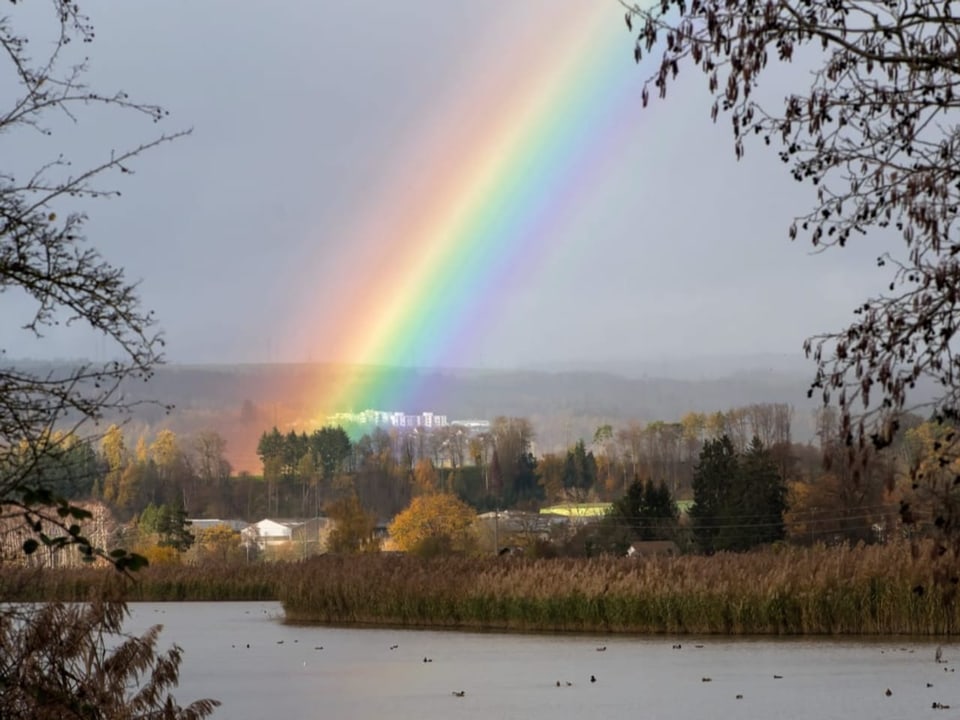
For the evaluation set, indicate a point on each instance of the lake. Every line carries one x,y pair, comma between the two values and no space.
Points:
295,672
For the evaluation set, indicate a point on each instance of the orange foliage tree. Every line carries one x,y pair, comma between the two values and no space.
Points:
435,524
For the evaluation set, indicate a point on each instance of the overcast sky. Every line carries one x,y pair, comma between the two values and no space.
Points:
301,112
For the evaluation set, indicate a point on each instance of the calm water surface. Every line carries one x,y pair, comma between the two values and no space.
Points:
285,673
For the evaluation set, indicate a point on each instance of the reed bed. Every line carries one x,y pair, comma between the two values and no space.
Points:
787,590
160,583
863,590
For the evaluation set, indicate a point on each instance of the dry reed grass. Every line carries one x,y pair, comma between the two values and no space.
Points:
783,590
155,583
862,590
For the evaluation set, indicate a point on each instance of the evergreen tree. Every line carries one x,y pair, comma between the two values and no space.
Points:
764,498
332,447
526,487
628,510
739,500
647,511
580,470
168,524
713,480
171,525
270,446
68,468
661,512
294,448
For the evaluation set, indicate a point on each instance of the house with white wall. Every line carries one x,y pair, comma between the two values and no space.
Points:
308,536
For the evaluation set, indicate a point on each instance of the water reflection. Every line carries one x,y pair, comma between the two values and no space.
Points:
241,654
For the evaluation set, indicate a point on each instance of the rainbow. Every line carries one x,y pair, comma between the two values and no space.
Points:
510,156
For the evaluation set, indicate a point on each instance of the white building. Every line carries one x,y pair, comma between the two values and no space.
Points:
474,426
391,418
266,533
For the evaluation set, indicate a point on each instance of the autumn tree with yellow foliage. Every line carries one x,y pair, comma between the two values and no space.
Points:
220,544
425,478
354,527
932,498
435,524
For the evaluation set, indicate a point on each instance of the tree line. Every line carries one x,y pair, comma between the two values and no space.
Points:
737,475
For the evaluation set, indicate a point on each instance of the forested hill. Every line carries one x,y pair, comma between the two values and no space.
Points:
286,389
241,401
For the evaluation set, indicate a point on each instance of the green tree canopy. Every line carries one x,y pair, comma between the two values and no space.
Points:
647,511
332,447
580,470
713,482
764,495
169,523
739,500
270,446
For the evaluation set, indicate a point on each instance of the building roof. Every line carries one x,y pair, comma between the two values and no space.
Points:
207,523
582,510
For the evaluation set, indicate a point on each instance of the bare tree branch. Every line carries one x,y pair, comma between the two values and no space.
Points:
876,134
44,255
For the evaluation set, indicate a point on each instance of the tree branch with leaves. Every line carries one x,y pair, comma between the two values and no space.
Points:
67,661
875,134
45,257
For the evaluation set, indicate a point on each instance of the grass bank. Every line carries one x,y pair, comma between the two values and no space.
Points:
865,590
